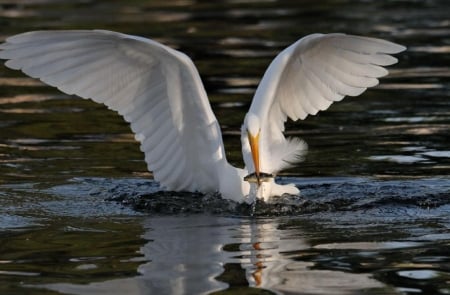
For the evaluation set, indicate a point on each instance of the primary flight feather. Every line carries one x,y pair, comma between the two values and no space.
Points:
159,92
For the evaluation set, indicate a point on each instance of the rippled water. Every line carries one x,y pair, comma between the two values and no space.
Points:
79,213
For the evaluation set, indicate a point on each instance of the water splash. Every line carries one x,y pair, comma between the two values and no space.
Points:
318,195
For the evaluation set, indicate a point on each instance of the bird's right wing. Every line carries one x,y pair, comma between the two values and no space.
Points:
156,89
317,70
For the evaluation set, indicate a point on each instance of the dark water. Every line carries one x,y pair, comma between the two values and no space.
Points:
79,213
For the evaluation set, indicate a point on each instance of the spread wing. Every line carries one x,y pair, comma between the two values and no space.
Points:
319,69
311,74
155,88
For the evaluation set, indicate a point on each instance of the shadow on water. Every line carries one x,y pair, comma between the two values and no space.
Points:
78,214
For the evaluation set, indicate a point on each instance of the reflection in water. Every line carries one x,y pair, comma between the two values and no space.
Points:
349,243
359,236
184,256
22,81
203,254
46,254
266,252
398,159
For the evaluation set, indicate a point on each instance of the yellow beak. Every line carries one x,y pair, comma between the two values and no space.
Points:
254,146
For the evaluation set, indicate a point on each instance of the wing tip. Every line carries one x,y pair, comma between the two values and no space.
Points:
396,48
390,47
12,64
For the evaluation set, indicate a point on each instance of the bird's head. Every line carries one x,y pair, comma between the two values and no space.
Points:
253,127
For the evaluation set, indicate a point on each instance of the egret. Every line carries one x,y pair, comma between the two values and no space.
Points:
158,90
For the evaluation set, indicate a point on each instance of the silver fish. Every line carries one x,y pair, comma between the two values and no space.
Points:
263,177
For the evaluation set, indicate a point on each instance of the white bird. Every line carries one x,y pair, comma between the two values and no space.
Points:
159,92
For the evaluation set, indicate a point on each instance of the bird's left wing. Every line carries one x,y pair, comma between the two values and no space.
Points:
156,89
319,69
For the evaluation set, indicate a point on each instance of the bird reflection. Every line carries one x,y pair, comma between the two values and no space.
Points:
259,265
258,258
274,260
262,246
205,254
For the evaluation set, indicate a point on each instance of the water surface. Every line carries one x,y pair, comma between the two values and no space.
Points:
79,213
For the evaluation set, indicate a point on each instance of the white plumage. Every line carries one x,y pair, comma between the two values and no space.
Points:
159,92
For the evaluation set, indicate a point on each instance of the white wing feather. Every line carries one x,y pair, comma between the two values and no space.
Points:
311,74
156,89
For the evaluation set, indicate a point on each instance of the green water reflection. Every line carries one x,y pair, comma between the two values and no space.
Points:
77,251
